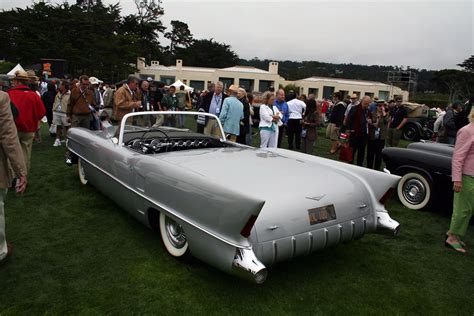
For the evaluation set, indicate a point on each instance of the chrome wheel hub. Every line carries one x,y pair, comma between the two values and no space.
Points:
414,191
175,233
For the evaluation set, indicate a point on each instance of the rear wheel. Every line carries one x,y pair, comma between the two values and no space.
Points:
415,191
410,132
173,236
82,173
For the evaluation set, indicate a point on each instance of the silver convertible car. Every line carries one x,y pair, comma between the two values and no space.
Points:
238,208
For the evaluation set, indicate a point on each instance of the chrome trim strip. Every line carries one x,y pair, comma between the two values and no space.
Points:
293,246
275,252
310,235
353,224
326,237
340,233
161,206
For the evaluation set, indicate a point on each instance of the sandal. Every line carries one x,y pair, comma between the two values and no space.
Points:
460,241
457,246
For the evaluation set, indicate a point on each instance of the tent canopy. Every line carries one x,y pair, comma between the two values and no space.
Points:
17,67
179,83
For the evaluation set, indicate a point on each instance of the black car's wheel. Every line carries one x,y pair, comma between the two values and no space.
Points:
173,237
415,191
82,173
410,132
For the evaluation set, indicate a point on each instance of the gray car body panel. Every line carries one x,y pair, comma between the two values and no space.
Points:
213,192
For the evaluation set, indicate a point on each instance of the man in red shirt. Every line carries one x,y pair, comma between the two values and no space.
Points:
30,111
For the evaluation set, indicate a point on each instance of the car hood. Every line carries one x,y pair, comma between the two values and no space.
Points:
290,186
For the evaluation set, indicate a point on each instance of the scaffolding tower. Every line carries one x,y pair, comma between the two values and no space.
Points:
404,79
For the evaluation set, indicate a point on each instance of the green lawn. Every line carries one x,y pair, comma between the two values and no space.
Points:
76,252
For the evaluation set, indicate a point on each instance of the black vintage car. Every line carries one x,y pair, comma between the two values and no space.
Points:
425,168
420,122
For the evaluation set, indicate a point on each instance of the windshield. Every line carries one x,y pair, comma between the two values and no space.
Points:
166,126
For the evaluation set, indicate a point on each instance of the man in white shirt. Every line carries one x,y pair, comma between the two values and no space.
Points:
296,109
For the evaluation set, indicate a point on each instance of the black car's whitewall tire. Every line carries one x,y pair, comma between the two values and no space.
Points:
173,237
415,191
82,173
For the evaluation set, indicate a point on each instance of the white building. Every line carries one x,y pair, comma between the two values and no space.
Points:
255,79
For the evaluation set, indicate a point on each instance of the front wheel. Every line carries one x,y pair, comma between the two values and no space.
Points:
415,191
82,173
173,237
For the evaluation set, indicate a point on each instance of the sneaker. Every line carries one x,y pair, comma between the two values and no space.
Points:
57,143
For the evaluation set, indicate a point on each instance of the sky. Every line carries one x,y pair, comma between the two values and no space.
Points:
416,33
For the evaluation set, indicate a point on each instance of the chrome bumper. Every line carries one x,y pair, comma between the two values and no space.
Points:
246,265
386,222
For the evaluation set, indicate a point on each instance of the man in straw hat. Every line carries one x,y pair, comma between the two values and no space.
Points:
30,111
10,156
231,114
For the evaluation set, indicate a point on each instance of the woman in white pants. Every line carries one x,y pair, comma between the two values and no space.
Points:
270,118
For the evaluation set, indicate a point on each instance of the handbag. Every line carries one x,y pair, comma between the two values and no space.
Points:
304,131
346,153
52,130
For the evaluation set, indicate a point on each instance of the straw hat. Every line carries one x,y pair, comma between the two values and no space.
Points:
21,75
32,75
233,88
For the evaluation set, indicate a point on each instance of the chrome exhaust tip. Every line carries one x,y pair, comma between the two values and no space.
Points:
246,266
384,221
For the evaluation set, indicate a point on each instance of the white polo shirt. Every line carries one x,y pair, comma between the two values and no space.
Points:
296,108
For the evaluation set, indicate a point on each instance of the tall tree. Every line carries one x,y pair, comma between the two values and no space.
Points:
208,53
179,36
468,64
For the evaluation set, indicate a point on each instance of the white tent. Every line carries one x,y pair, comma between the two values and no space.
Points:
17,67
179,83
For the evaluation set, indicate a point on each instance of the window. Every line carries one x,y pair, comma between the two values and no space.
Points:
265,85
345,93
328,92
197,85
167,80
314,91
247,84
369,94
227,82
384,95
357,93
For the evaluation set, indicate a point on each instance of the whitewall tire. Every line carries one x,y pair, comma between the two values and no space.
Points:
82,173
173,237
415,191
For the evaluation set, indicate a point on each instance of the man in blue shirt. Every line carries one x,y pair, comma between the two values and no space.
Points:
280,103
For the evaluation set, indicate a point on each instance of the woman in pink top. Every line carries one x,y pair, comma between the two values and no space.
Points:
463,185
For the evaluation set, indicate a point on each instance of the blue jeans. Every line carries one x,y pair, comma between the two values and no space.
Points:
451,140
180,120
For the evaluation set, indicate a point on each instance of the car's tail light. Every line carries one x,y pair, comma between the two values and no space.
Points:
387,196
248,227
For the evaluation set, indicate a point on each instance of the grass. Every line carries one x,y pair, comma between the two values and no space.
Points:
76,252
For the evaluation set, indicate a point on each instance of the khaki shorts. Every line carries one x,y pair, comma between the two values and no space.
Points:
60,118
333,131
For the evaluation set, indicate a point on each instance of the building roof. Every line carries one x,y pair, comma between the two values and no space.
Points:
185,68
345,81
247,69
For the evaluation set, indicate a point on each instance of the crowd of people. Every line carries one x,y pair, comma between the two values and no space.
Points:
362,125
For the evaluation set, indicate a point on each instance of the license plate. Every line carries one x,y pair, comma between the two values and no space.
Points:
321,214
